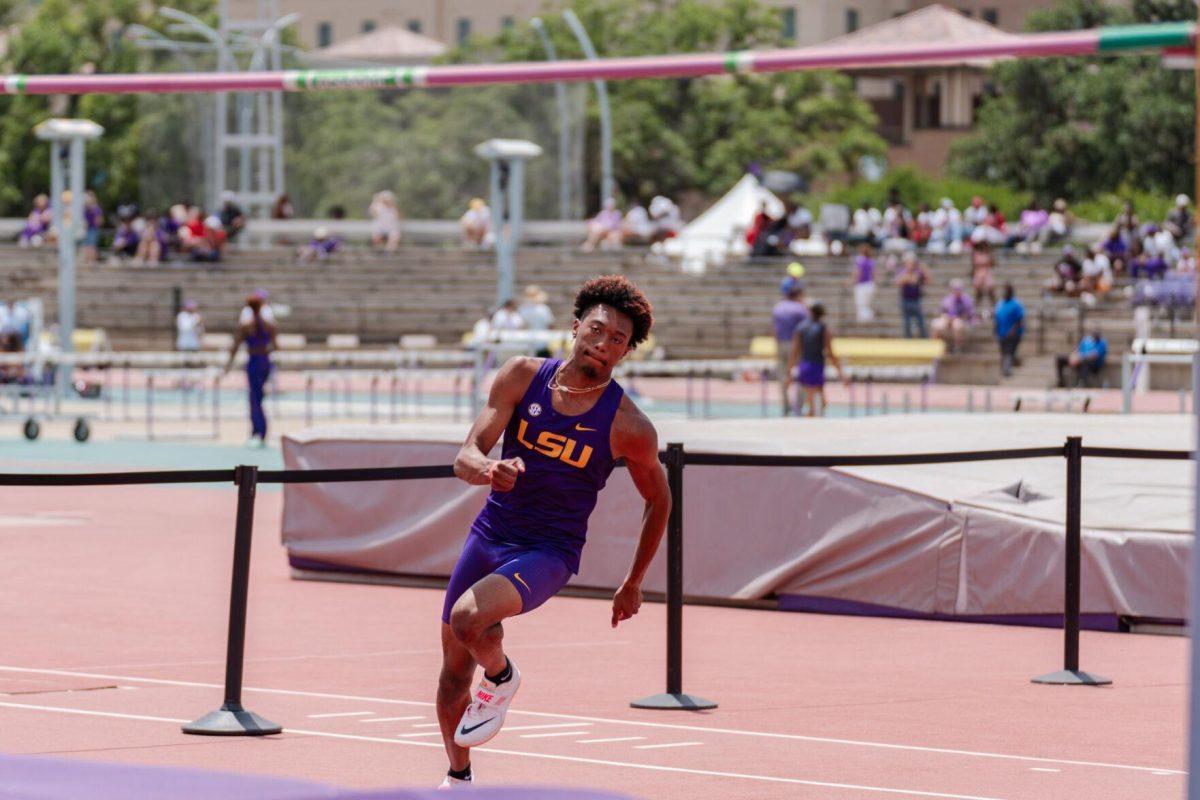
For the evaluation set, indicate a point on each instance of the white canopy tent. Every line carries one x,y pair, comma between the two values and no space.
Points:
720,232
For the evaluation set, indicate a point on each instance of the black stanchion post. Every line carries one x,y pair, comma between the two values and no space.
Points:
1070,674
231,719
674,698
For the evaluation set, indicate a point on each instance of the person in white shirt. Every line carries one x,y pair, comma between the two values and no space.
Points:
507,318
534,311
189,327
385,221
666,216
637,227
476,224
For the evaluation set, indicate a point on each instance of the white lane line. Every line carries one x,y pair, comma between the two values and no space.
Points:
662,725
548,735
612,739
544,727
338,656
547,756
428,725
668,744
1043,769
390,719
342,714
407,735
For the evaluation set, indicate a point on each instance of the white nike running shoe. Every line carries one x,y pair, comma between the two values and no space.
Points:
455,783
485,715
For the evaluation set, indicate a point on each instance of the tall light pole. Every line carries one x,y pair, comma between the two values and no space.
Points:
66,138
564,131
606,168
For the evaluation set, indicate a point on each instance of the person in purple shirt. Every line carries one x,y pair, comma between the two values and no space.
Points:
788,315
321,247
93,216
604,229
958,312
864,284
564,425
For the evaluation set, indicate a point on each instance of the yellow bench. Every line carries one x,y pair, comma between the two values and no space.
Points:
888,352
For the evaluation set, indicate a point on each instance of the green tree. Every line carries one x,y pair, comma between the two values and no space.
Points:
61,36
1078,127
669,135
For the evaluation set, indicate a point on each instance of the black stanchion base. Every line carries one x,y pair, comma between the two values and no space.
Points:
676,702
1072,677
231,720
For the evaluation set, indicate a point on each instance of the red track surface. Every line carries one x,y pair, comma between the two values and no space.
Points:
124,591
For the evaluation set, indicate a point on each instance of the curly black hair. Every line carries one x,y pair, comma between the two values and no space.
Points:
620,293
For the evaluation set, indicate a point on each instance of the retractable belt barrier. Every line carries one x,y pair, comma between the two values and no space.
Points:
233,719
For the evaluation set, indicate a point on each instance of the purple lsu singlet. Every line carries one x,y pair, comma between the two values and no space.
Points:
567,462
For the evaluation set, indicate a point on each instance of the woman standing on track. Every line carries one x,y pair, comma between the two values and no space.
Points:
257,330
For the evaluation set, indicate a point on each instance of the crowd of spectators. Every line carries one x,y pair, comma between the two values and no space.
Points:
639,225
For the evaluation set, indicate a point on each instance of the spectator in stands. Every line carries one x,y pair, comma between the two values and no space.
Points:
1148,266
637,228
912,279
958,313
1058,225
1159,242
666,218
37,224
865,225
1114,244
947,228
1029,228
1179,220
535,313
481,331
233,219
863,277
385,221
974,215
897,225
1067,272
93,217
1009,323
767,237
922,229
321,247
799,222
507,317
993,229
189,327
787,316
983,262
604,229
476,224
171,223
1085,363
1187,262
1126,225
282,208
1096,277
151,241
209,245
258,333
125,238
811,347
191,233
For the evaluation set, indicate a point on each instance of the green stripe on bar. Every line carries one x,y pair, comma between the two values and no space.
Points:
21,83
731,60
1132,37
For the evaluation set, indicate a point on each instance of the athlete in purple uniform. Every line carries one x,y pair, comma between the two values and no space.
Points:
564,423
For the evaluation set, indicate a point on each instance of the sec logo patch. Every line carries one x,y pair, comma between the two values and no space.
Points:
535,409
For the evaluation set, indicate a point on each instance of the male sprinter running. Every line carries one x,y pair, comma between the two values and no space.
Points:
564,423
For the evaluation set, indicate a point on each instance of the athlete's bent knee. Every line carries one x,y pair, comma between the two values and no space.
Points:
465,623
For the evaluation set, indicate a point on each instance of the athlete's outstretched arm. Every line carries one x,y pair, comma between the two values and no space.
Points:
472,464
637,442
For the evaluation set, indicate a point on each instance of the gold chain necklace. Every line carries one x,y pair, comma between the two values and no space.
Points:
554,384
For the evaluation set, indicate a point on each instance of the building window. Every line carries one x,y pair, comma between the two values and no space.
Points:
464,29
851,20
788,28
368,25
414,25
507,23
991,16
324,34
